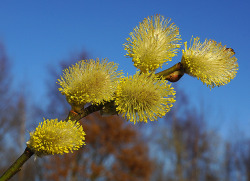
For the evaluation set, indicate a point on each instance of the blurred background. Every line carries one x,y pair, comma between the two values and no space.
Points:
204,137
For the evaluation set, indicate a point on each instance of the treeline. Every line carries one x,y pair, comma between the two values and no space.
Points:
179,147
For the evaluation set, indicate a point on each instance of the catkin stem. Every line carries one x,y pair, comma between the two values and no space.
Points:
170,70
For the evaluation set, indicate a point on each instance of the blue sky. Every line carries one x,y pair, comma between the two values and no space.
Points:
38,34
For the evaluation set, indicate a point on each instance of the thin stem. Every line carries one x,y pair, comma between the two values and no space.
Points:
170,70
16,167
76,116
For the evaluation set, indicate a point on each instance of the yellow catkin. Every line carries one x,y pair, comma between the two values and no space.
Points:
152,43
210,62
56,137
89,81
143,97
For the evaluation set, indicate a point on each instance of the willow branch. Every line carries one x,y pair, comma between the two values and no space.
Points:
172,74
16,166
